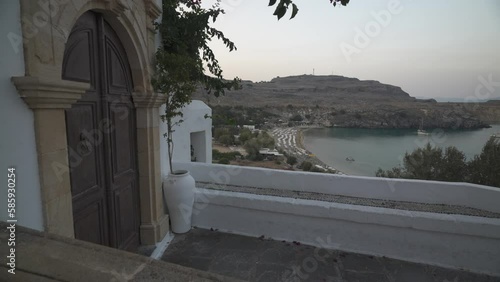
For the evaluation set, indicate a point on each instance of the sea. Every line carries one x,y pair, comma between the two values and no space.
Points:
362,151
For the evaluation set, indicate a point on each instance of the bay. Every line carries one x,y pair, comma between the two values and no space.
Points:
385,148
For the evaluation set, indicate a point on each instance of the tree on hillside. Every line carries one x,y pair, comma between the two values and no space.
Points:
432,163
218,132
306,166
454,165
266,140
291,160
226,139
252,147
485,167
255,144
297,117
245,135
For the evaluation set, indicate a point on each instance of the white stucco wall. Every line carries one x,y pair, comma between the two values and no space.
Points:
196,119
447,240
420,191
17,142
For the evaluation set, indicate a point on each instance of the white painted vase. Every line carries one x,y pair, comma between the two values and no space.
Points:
178,189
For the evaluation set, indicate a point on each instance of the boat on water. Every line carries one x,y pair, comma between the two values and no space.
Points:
421,130
349,159
496,135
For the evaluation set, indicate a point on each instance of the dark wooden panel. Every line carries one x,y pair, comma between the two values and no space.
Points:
77,67
85,140
121,144
83,147
120,139
104,174
119,80
118,77
124,205
88,223
80,55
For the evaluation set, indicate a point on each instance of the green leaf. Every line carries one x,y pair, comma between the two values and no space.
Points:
295,10
280,11
272,2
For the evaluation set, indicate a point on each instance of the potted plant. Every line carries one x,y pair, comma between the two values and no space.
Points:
178,72
172,79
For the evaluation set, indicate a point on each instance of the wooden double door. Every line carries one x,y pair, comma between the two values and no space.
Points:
101,136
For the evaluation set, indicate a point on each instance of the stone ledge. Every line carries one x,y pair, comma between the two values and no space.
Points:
153,9
40,93
148,100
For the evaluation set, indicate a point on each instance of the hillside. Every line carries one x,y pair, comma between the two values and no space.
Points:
350,102
309,90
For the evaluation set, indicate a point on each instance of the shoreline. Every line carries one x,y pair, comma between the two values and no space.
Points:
291,140
300,132
366,165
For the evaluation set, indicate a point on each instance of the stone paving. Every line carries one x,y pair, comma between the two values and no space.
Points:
261,259
44,257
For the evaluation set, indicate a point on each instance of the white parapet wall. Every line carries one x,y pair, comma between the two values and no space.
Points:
419,191
448,240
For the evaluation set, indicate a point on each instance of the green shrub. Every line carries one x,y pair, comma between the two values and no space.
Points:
306,166
291,160
450,164
485,168
217,155
297,117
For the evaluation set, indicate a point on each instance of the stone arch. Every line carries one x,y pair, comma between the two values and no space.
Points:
135,32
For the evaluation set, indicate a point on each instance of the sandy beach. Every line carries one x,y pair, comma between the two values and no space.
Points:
290,140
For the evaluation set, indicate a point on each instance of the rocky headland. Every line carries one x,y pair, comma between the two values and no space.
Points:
349,102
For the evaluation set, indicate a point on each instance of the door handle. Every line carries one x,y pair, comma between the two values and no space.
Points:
84,144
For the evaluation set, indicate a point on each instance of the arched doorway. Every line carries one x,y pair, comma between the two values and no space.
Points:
101,135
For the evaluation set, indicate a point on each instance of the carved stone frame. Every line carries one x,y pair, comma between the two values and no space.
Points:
46,26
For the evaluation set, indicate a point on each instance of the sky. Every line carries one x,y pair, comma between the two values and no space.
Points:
438,48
